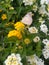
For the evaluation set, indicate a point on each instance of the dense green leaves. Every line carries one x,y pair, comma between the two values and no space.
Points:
15,10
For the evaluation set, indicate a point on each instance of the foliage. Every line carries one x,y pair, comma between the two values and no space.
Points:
15,11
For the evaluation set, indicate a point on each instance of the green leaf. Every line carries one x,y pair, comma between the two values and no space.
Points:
38,49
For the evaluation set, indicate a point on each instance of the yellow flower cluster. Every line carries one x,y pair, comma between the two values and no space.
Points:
27,41
15,33
19,26
0,10
4,16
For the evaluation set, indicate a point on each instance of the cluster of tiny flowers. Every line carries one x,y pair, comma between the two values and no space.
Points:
45,51
33,30
28,2
44,1
43,9
13,59
44,28
34,60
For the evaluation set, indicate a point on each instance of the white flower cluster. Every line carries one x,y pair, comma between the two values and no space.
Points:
45,51
36,39
34,60
44,28
46,42
35,7
13,60
28,2
44,1
43,9
41,20
33,30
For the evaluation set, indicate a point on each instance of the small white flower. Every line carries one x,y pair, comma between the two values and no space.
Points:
33,30
35,60
28,2
41,20
45,52
13,59
44,1
44,28
35,7
27,19
19,58
42,10
46,42
36,39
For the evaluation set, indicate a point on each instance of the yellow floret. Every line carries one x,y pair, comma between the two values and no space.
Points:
27,41
19,26
4,16
15,33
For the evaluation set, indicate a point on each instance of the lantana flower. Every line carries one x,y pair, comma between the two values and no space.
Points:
46,42
28,2
45,52
19,26
27,41
15,33
44,28
34,60
36,39
44,2
33,30
4,16
13,59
